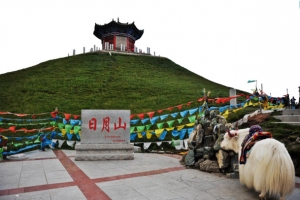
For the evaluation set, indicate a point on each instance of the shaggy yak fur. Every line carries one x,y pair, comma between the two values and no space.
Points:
269,168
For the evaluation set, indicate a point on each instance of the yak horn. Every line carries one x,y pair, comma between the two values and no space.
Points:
231,134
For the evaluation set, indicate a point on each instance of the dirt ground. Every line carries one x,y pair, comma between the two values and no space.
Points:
258,119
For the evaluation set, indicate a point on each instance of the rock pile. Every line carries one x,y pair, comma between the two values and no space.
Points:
204,150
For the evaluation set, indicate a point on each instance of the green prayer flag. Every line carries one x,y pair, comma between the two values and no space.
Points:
37,140
175,142
61,126
18,144
180,120
160,125
148,126
140,128
77,129
170,123
132,129
53,123
192,118
68,128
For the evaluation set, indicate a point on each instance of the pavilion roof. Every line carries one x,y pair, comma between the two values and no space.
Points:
117,28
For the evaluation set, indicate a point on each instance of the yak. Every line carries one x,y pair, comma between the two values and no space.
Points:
269,168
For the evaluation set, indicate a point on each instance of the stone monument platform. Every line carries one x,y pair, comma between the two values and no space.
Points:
104,152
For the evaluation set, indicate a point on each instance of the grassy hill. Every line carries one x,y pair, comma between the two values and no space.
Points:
100,81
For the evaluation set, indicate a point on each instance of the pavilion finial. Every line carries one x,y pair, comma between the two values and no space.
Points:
118,19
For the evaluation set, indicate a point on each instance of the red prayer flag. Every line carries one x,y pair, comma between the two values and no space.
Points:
218,100
170,108
189,103
21,115
12,129
179,107
53,114
150,114
141,116
76,116
200,99
67,116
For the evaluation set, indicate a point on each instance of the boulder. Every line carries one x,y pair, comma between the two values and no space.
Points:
209,166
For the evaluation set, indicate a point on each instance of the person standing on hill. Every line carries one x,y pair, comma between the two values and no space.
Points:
293,102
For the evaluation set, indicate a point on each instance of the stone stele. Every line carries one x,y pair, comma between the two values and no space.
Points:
105,135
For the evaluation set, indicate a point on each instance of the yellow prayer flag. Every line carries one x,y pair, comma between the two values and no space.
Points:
140,135
149,134
158,132
170,129
190,124
180,127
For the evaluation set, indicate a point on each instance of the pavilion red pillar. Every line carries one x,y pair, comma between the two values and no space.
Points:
115,42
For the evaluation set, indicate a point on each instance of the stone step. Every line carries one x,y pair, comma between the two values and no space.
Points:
288,118
291,123
291,112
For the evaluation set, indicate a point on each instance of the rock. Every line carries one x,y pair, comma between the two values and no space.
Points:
208,141
233,175
182,160
217,144
234,165
209,166
189,158
208,153
197,164
223,159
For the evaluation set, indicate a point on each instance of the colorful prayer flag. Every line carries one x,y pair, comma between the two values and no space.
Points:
251,81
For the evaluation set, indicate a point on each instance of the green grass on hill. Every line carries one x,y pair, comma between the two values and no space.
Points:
100,81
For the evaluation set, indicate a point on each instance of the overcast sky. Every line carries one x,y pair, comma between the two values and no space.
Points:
225,41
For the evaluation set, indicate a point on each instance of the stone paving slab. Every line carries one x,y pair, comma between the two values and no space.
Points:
70,193
141,163
56,175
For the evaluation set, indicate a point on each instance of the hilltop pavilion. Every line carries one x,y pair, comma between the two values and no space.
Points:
118,36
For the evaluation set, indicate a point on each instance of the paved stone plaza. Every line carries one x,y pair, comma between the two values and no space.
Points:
54,174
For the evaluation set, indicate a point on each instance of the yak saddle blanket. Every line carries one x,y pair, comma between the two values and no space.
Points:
249,142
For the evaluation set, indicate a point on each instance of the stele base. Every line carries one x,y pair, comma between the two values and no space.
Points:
104,152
